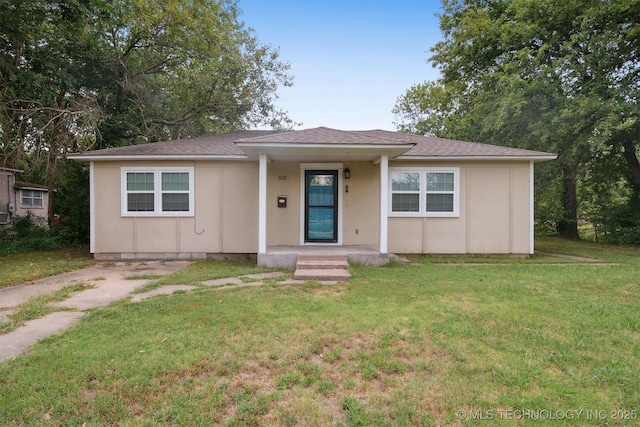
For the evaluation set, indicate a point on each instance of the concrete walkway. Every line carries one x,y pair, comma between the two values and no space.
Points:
109,283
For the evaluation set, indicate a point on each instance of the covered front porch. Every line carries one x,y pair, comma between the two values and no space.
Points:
322,208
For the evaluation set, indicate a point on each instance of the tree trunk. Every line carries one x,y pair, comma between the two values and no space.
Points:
57,138
568,226
51,174
634,167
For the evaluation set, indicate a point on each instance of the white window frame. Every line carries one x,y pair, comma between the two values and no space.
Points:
35,195
157,191
422,210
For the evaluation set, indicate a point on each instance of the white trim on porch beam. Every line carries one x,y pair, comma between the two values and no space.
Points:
384,202
262,205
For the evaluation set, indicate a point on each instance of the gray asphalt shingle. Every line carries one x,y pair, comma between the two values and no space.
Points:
225,144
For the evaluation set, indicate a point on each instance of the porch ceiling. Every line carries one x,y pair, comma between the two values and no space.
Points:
323,152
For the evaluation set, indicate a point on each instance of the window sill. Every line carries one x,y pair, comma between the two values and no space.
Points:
423,215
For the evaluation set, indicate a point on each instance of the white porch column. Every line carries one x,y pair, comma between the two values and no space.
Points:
262,205
384,202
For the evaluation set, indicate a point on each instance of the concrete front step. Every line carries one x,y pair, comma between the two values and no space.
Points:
322,267
322,257
322,275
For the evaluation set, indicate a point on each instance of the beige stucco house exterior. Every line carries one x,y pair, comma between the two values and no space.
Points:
257,192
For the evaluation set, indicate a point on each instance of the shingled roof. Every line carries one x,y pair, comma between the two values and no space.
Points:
211,145
324,135
440,147
230,145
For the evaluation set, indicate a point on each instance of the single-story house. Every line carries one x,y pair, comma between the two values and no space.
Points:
19,198
259,191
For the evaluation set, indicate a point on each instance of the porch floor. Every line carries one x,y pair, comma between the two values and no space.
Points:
287,256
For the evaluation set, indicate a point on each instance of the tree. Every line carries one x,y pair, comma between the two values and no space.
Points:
545,75
45,105
180,69
82,74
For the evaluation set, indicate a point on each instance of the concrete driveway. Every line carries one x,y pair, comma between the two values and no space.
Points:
109,283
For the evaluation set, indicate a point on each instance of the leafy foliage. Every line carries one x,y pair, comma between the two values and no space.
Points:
84,74
27,234
559,77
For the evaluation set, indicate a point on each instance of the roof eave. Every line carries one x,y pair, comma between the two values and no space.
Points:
534,158
11,170
116,157
253,149
30,187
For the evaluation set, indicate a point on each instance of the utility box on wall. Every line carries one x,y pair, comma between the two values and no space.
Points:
282,201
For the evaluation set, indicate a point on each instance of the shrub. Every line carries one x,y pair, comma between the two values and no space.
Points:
30,233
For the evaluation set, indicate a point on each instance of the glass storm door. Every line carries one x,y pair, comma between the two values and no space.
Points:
321,206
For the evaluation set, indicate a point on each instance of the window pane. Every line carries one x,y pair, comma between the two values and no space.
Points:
140,202
321,190
439,202
175,202
321,223
439,181
26,197
31,198
405,181
405,202
140,181
175,181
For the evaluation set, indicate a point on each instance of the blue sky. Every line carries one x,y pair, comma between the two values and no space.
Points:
350,59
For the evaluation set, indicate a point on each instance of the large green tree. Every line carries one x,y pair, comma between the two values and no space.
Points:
46,99
547,75
82,74
180,69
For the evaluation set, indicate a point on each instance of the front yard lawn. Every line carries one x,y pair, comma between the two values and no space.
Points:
22,268
434,342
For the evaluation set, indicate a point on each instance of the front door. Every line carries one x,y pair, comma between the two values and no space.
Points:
321,206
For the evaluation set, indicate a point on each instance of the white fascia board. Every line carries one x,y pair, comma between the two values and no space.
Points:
492,158
253,150
115,158
328,145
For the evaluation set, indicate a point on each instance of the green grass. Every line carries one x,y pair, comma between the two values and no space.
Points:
22,268
201,271
417,344
607,253
39,306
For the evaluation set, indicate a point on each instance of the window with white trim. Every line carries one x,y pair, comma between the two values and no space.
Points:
31,198
157,192
431,192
